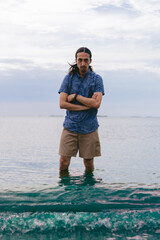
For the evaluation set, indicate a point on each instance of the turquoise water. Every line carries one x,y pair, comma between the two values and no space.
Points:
120,200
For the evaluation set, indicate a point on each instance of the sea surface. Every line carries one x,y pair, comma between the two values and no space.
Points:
120,200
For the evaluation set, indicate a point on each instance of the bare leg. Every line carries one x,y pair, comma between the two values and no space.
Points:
89,165
64,163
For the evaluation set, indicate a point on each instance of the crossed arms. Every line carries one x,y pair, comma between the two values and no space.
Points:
94,102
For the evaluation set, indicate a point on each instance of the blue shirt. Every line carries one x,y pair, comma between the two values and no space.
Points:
82,121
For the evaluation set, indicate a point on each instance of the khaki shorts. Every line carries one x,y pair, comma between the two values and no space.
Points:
87,144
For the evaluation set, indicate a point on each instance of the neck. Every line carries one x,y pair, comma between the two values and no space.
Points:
82,74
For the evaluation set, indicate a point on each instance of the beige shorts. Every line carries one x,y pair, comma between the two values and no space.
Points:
87,144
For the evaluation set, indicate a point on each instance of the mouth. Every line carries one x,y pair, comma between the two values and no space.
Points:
83,68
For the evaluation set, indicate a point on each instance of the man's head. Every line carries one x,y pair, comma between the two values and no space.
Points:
83,58
85,50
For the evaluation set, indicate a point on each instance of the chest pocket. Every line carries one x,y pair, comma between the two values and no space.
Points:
92,86
91,90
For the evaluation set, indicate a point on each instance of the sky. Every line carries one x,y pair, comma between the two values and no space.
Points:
40,37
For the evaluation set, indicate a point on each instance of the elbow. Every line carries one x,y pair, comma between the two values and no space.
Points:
61,105
96,105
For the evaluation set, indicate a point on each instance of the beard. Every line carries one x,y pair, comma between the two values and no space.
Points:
83,69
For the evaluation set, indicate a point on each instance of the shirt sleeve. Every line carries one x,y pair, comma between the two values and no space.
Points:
99,87
65,85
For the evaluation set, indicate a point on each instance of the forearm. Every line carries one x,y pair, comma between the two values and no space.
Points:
89,102
73,107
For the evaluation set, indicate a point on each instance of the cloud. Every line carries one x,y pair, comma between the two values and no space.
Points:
146,7
39,37
47,33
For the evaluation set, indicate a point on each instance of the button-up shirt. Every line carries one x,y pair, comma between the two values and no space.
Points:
82,121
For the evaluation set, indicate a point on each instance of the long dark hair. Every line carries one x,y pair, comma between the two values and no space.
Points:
73,67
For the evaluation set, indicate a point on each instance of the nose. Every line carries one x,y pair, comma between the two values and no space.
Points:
83,62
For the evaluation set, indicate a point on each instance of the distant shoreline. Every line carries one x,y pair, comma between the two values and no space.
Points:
99,116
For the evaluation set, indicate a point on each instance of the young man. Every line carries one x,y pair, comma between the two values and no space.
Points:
80,94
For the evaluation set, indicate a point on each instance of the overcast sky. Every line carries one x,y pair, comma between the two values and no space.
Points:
39,37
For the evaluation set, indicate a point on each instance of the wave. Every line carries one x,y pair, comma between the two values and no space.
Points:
61,223
76,206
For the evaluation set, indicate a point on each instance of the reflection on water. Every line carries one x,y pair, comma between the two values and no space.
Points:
85,179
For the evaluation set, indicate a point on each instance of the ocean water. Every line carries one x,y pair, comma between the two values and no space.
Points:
120,200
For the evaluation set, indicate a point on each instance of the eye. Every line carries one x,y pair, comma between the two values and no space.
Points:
86,60
79,59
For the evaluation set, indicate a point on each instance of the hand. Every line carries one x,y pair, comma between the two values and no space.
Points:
94,96
71,97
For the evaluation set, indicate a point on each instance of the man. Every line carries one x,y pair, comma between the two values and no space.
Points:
81,95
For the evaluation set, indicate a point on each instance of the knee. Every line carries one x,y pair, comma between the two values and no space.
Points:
64,159
64,162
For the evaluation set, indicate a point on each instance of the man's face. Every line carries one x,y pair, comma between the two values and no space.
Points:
83,60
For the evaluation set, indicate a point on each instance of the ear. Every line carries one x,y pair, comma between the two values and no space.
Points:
90,60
